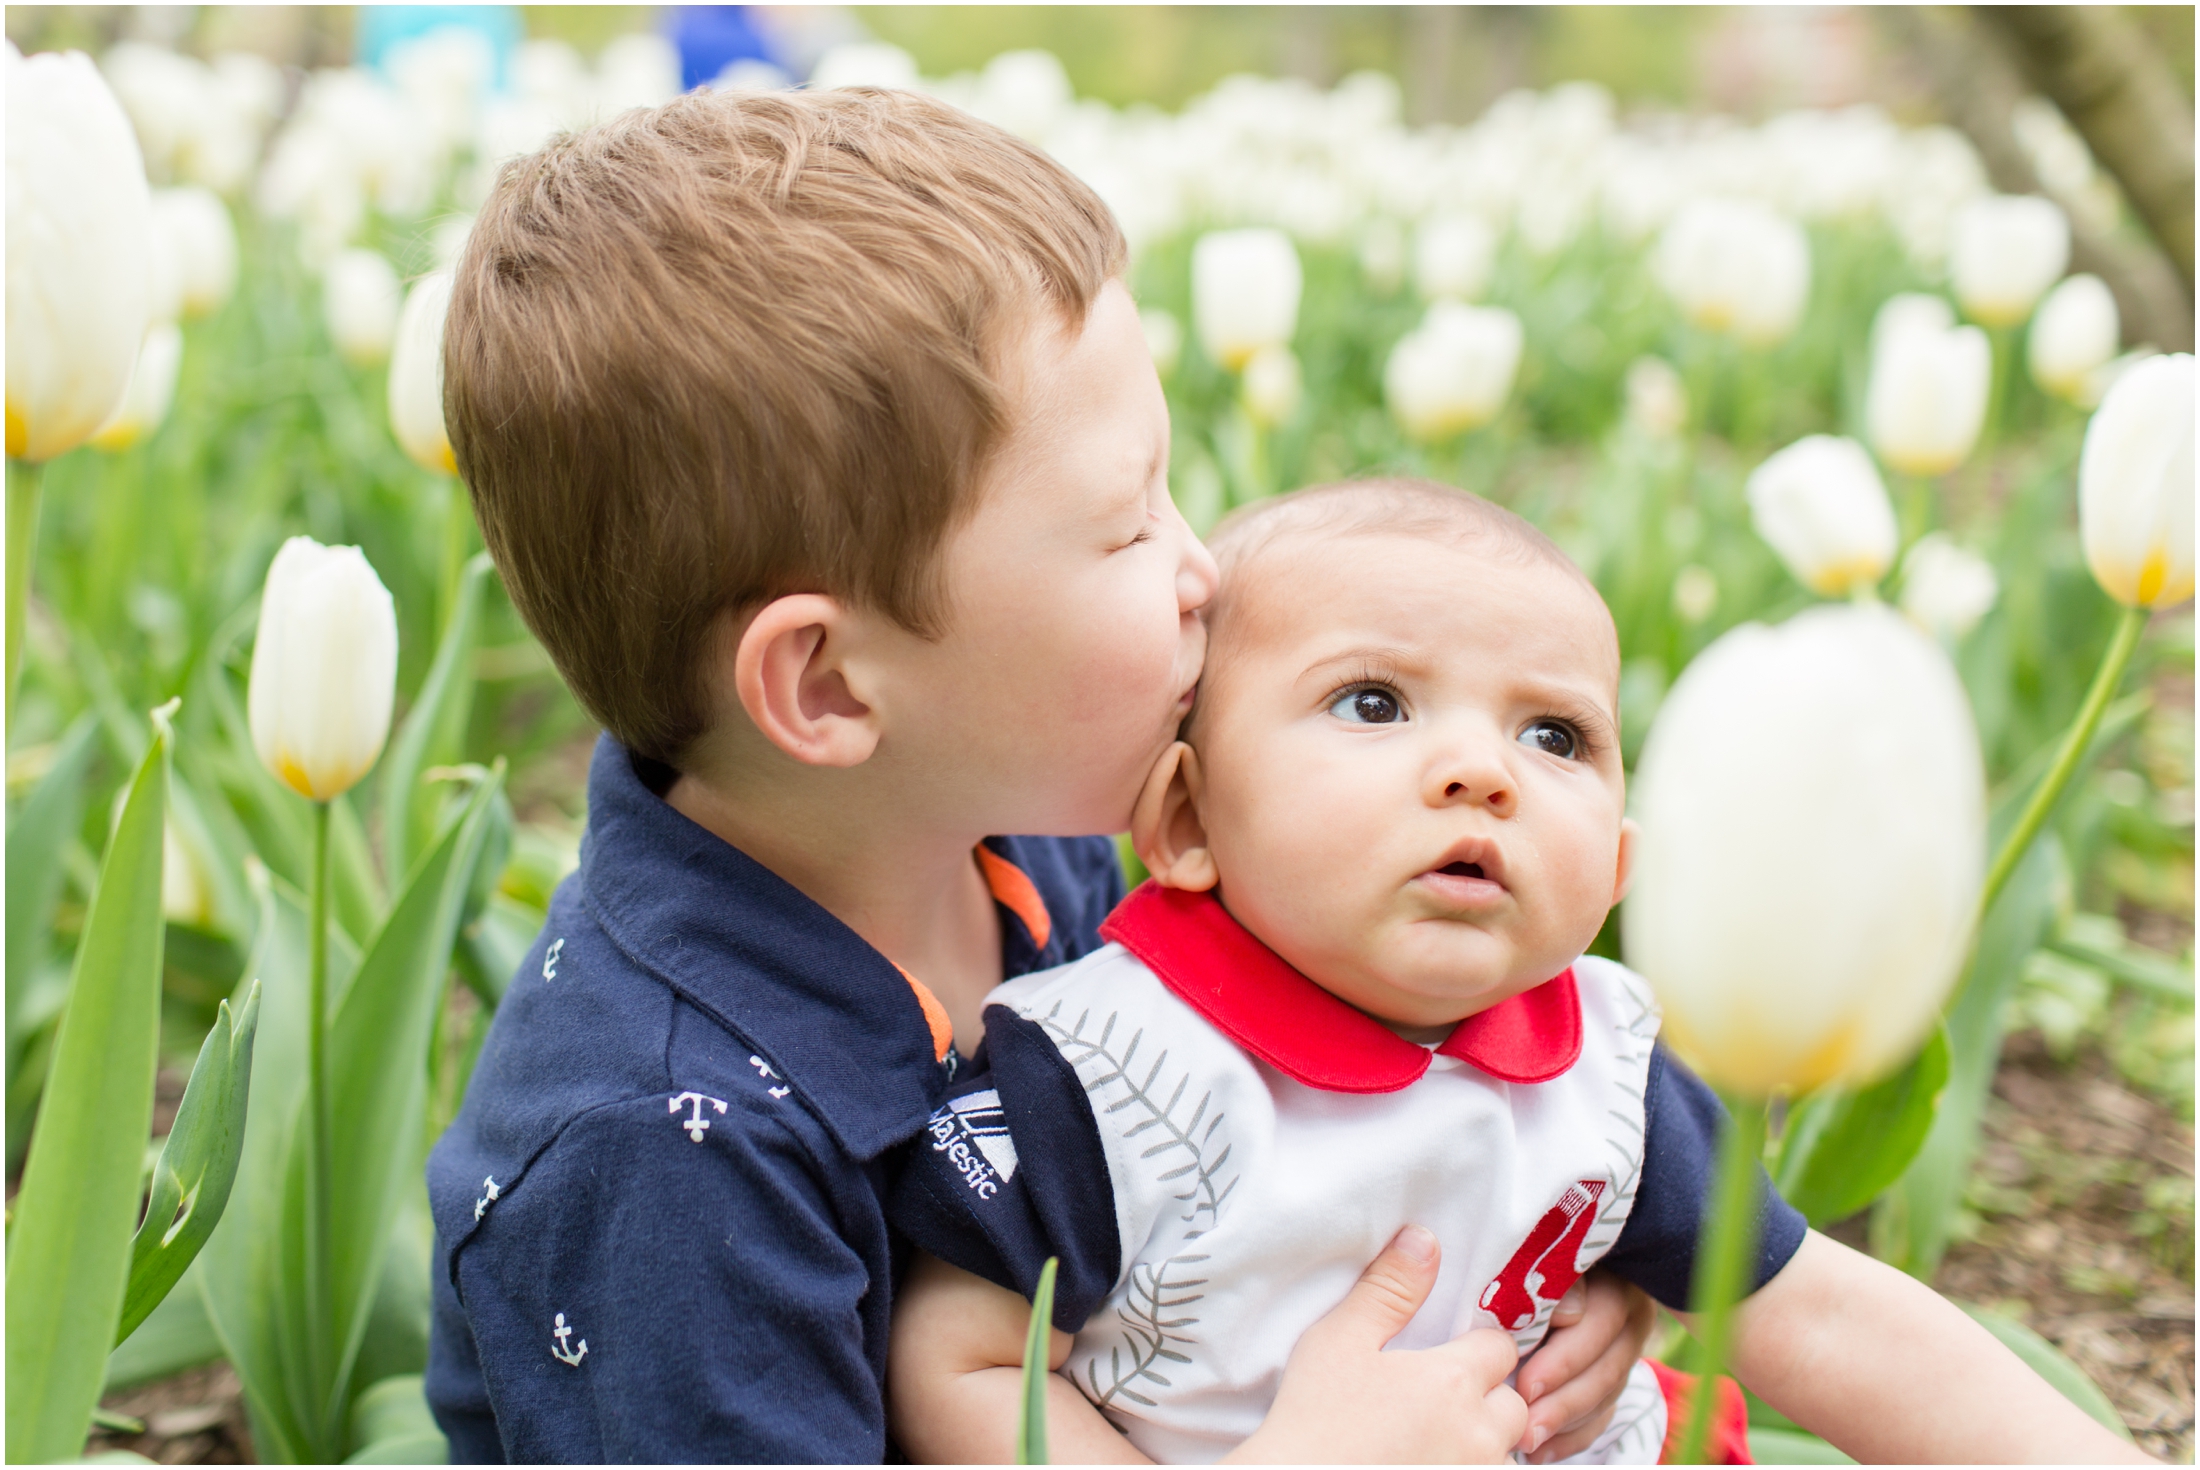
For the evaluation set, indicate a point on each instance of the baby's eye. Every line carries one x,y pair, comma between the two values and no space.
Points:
1368,705
1553,737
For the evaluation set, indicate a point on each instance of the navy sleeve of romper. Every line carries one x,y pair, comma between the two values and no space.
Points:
718,1303
1656,1249
1009,1171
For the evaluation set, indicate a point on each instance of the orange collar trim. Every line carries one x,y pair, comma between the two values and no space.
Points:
1013,890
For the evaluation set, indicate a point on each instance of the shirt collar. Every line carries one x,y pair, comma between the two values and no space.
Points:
861,1040
1253,996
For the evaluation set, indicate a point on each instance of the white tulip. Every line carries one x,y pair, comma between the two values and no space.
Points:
360,299
1734,266
416,375
1803,894
1657,401
324,668
1821,505
2074,334
2135,485
1164,338
152,389
1383,255
79,250
1245,292
864,64
1946,589
1929,382
201,243
185,897
1452,256
1452,372
2008,249
1272,386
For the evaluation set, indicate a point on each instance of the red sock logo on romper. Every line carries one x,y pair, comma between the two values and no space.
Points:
1545,1265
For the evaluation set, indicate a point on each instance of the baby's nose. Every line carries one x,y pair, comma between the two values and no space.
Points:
1197,577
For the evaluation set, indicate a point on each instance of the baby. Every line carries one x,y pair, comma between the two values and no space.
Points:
1354,1001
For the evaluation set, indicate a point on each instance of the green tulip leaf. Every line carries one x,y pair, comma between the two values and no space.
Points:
1792,1447
392,1424
1031,1419
1843,1148
68,1257
382,1012
434,732
198,1164
176,1335
38,832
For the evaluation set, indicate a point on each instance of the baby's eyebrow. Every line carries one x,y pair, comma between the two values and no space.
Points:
1375,661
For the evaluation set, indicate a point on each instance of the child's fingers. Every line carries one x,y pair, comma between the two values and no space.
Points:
1485,1356
1507,1414
1572,1306
1603,1341
1387,1294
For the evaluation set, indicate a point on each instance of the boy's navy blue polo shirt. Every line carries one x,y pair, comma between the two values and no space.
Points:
659,1216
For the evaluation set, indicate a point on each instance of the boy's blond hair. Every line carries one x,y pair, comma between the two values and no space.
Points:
737,347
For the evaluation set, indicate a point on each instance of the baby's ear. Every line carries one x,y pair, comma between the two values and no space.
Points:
1624,870
1165,826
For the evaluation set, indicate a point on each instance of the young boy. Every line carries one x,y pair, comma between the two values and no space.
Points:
817,440
1397,815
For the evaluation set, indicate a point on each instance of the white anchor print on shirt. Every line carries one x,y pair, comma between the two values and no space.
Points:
696,1124
570,1356
488,1198
764,1071
550,960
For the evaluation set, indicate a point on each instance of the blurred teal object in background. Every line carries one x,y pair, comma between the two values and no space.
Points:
383,27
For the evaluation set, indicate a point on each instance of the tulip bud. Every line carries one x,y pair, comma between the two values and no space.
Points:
152,389
416,375
324,668
360,298
1245,293
1946,589
2074,334
1821,505
1452,256
2135,485
1695,593
1272,386
1736,267
1657,402
79,253
1452,372
1164,339
201,245
1927,399
1803,897
2008,249
184,895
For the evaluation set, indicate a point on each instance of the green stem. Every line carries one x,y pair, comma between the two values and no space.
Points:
1729,1246
24,480
1917,506
2042,804
458,522
319,1306
2002,342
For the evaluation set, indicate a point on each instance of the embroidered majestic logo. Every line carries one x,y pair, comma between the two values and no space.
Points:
1547,1261
974,1135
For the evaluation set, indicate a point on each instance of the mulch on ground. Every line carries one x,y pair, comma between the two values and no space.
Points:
2084,1187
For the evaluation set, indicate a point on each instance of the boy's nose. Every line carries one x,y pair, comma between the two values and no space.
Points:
1197,577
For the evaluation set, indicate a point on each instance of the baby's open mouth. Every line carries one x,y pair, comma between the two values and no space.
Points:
1463,870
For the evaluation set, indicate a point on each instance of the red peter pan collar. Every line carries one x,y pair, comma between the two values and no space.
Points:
1254,997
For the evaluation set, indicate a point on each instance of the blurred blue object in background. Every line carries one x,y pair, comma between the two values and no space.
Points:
384,27
711,38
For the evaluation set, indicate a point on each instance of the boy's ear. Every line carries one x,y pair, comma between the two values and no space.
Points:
1165,826
1624,869
788,675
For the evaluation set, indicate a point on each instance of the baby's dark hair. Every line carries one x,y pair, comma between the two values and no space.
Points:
1387,507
